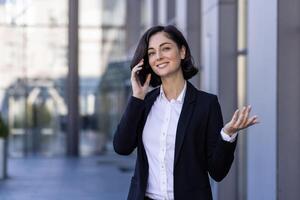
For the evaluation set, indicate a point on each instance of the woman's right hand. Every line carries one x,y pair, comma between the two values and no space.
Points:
138,90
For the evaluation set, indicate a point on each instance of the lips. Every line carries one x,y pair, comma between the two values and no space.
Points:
162,65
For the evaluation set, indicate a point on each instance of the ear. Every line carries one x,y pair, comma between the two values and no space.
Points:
182,52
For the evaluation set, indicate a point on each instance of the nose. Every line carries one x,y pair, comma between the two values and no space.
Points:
158,55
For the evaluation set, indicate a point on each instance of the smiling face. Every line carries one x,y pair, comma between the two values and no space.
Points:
164,55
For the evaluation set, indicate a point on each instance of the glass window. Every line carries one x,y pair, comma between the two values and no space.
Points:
102,45
32,86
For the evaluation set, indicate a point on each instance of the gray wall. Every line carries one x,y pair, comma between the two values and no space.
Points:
261,92
288,161
171,7
155,12
227,77
194,35
133,23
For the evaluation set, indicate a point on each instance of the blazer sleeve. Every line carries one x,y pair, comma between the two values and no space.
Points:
126,135
220,154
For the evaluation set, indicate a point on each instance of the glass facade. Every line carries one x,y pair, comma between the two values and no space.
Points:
33,88
101,71
35,67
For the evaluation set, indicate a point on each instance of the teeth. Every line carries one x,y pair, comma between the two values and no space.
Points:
162,65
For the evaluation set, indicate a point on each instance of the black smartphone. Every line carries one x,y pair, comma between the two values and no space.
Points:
143,73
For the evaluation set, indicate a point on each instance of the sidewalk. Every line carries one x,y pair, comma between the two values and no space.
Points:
104,177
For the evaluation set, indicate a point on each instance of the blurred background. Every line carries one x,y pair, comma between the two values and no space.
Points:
65,81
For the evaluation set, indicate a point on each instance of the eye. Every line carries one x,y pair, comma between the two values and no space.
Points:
166,48
150,54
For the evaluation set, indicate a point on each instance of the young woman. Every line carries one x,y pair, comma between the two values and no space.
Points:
177,130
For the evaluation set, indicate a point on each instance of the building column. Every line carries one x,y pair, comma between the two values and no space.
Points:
162,9
227,84
262,96
194,35
181,15
133,23
155,13
219,72
288,100
171,15
73,82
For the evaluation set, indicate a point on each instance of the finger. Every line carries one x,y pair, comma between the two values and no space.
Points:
134,78
245,120
134,75
141,62
233,120
253,120
241,118
138,65
244,115
135,70
147,82
235,116
256,121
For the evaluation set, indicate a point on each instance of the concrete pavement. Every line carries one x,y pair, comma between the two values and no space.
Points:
104,177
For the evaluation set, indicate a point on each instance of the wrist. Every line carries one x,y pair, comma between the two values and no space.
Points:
228,131
139,96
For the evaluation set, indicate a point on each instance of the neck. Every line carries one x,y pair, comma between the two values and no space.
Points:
173,86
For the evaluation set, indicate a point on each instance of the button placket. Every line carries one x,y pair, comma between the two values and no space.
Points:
163,144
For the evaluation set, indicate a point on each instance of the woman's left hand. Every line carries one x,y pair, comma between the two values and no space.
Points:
240,120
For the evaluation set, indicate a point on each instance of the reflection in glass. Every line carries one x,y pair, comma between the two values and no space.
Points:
103,72
35,67
34,59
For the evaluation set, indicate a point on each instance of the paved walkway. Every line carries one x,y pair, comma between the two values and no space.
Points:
104,177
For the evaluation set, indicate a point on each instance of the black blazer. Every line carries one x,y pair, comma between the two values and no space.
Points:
199,147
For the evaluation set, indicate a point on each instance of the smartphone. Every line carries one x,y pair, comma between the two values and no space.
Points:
143,73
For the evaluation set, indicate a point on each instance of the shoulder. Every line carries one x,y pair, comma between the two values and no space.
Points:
202,95
206,95
206,101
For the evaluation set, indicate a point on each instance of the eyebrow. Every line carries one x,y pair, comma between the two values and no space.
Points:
159,45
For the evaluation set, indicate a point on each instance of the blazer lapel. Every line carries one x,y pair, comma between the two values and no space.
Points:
150,102
185,115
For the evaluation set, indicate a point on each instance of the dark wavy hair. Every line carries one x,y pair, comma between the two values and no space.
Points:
141,52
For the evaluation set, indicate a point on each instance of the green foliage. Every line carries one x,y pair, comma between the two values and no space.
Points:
4,131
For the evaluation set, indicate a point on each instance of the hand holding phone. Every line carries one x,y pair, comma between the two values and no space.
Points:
140,80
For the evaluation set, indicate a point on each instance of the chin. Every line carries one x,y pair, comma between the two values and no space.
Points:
162,74
167,73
